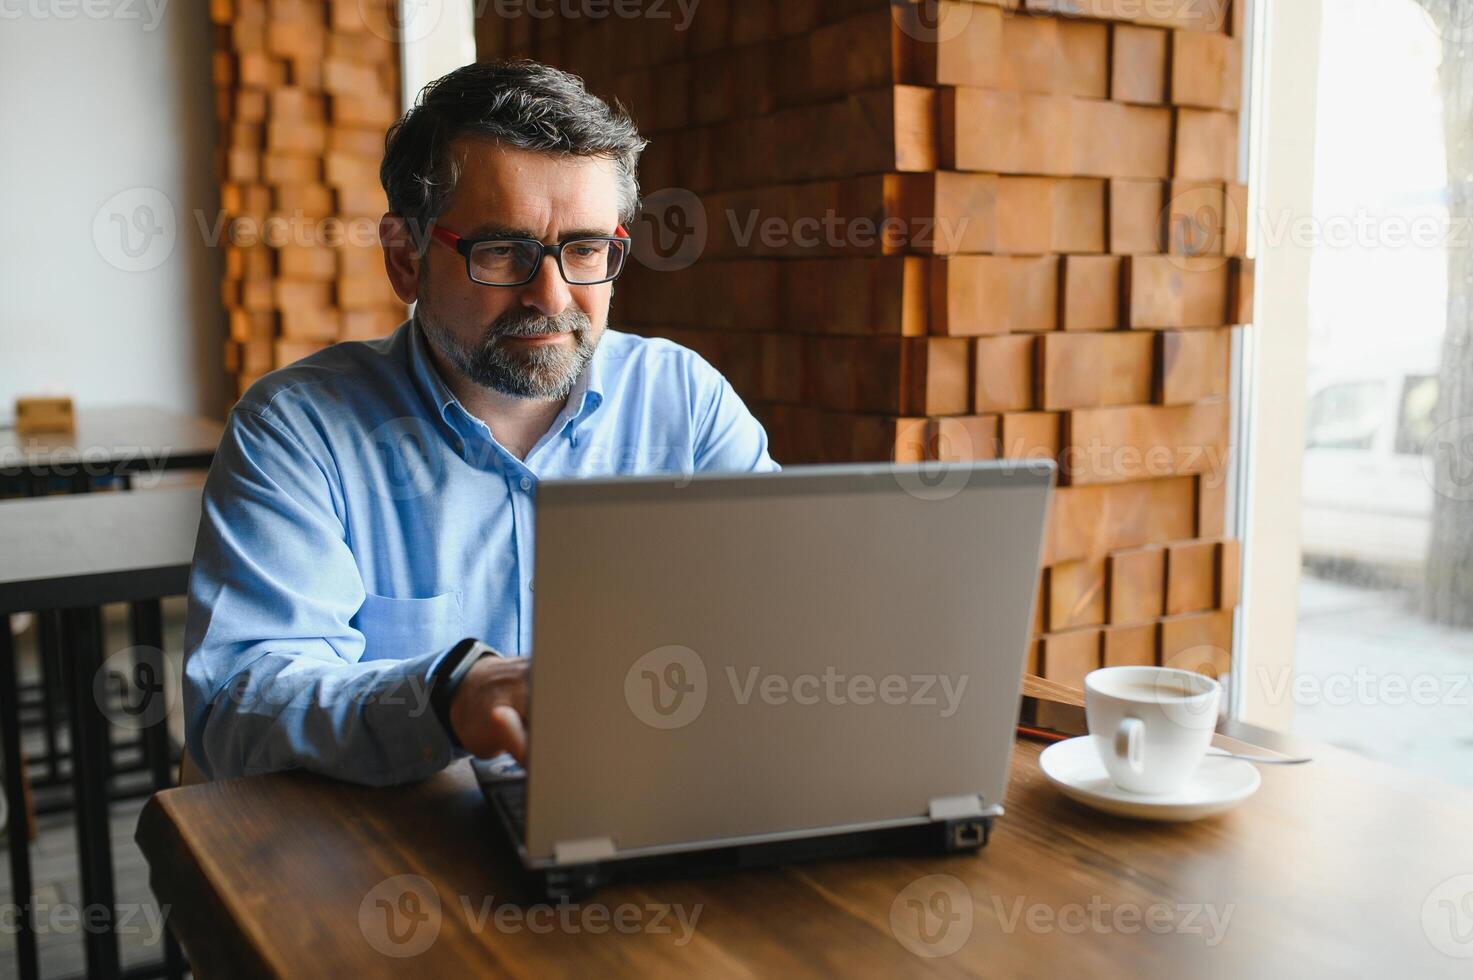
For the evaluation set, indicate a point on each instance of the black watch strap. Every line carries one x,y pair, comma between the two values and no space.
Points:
448,676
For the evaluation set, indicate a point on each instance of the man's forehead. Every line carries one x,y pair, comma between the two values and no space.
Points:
523,187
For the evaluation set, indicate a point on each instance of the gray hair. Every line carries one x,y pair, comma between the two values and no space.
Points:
521,104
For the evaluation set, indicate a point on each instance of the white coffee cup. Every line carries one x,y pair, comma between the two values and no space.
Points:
1151,725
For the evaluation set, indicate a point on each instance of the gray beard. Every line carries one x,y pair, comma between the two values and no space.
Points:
540,373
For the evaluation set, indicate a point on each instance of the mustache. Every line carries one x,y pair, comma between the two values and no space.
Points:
530,324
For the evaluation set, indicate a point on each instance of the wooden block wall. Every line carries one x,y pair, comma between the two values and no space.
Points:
304,92
1014,234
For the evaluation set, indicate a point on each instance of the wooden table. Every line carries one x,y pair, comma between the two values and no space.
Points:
116,441
1333,869
73,554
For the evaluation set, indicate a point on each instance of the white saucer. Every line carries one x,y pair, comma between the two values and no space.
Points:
1218,784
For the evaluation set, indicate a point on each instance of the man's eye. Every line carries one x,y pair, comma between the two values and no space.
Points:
500,251
585,251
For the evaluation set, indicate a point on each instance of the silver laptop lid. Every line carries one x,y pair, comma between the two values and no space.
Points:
730,658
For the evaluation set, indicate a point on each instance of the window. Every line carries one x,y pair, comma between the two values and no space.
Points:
1346,416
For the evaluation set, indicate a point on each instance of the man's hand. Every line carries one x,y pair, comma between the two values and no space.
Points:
489,707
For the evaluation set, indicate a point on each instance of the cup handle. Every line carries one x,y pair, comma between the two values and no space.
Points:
1130,743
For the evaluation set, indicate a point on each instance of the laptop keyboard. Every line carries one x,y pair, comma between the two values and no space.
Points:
513,801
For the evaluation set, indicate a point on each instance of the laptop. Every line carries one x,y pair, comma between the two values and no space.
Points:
735,671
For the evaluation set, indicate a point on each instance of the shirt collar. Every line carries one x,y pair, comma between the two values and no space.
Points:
585,398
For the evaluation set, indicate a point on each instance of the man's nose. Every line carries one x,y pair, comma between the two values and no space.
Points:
548,292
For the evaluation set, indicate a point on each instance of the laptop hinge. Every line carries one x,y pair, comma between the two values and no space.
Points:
579,851
960,807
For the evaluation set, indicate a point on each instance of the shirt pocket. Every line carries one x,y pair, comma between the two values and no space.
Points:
399,629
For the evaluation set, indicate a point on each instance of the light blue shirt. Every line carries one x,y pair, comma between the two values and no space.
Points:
358,522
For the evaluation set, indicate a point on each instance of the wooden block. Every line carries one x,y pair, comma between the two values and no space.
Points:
1029,435
1104,445
973,295
368,324
1192,365
1040,604
937,376
295,137
312,200
1086,370
1200,642
1210,16
1006,132
1029,52
364,200
1229,574
1206,145
1090,288
346,170
1082,66
1240,295
1095,520
357,141
344,76
307,262
1137,585
1068,657
967,49
1025,215
37,414
294,38
1079,216
1076,594
1196,220
945,213
1206,70
1176,291
299,105
371,292
1136,216
962,438
291,168
363,109
1138,64
1235,220
1131,646
290,351
311,325
1211,505
1114,139
288,294
1191,577
1004,374
1043,214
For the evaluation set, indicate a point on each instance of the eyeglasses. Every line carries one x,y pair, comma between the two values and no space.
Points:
516,261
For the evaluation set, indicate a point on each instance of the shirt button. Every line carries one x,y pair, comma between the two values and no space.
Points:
526,483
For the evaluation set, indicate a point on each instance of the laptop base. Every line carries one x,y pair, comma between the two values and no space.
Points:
573,882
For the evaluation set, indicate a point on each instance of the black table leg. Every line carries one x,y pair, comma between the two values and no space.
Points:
82,639
48,655
20,843
147,619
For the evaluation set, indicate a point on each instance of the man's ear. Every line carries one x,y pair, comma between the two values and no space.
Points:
403,260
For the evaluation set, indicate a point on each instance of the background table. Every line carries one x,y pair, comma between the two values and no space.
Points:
1332,869
74,554
112,441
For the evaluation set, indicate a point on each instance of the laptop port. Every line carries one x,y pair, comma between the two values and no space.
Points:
968,834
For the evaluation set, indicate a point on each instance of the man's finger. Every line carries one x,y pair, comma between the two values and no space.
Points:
513,734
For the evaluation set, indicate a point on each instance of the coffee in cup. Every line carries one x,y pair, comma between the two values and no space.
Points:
1151,725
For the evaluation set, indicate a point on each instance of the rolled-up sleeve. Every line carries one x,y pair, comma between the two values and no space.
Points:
274,675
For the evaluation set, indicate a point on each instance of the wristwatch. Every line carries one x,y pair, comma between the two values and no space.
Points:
449,674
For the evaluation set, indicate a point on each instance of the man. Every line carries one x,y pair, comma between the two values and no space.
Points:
371,505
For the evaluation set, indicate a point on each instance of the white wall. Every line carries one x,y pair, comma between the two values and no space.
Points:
438,38
90,108
1276,357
